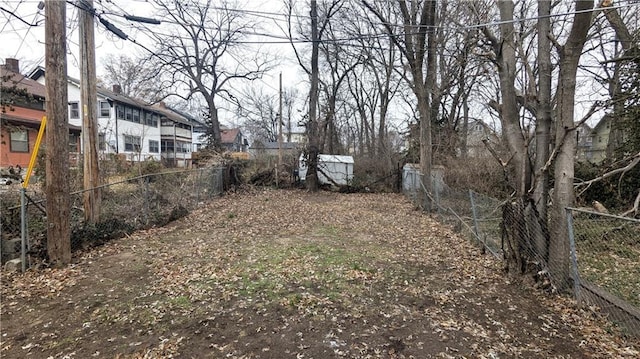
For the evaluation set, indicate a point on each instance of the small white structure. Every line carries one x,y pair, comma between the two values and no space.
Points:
412,183
332,169
411,178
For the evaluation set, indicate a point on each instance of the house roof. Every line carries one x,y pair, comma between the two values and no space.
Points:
10,78
335,159
121,98
30,121
604,120
229,136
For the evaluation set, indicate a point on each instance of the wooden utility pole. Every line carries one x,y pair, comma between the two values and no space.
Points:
57,135
312,126
280,129
88,93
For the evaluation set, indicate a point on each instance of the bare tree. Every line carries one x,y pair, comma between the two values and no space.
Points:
565,139
135,77
204,53
318,25
416,42
260,113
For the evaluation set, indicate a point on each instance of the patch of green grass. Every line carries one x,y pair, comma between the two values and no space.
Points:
302,273
180,302
609,256
328,230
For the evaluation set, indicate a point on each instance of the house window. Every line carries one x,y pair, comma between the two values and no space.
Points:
136,115
105,109
167,146
120,112
74,140
154,146
102,141
589,139
128,114
599,138
150,119
182,147
147,117
19,141
131,143
74,110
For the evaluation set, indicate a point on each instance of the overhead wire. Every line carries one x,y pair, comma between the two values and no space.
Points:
25,36
284,39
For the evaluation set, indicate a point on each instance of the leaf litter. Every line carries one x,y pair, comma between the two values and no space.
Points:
291,274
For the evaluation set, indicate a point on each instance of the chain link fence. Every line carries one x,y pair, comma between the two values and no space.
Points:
607,264
602,262
135,203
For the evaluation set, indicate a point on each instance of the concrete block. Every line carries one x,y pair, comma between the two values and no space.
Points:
14,265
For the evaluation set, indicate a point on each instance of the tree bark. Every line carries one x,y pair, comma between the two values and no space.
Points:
57,136
91,172
563,194
505,49
543,128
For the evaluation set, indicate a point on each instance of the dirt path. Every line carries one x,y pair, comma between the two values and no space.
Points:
287,274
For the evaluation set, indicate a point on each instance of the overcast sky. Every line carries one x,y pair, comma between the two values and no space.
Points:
24,42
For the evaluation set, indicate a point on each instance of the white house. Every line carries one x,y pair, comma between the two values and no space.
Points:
131,127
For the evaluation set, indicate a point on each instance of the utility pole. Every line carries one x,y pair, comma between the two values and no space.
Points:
88,93
280,131
312,127
57,155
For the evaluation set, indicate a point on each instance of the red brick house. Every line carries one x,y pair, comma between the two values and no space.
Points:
22,106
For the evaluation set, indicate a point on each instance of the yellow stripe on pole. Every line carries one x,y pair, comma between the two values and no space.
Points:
34,154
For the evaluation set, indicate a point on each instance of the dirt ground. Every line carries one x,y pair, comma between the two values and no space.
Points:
290,274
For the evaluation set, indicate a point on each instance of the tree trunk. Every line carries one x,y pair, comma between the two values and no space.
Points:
543,130
563,194
424,92
516,222
57,136
214,127
465,127
509,109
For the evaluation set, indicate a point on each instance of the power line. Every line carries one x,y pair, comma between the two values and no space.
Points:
25,36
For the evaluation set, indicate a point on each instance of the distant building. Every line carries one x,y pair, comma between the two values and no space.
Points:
295,135
233,141
198,134
21,112
131,127
594,143
477,133
585,143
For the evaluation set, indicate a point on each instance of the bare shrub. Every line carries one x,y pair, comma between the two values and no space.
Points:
481,174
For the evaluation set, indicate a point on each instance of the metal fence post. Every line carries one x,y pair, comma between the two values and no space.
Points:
436,194
475,218
198,184
575,276
23,228
147,208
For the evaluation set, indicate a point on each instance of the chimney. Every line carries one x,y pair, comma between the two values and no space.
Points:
116,88
12,65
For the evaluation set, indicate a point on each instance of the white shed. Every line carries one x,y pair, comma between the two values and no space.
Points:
331,168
